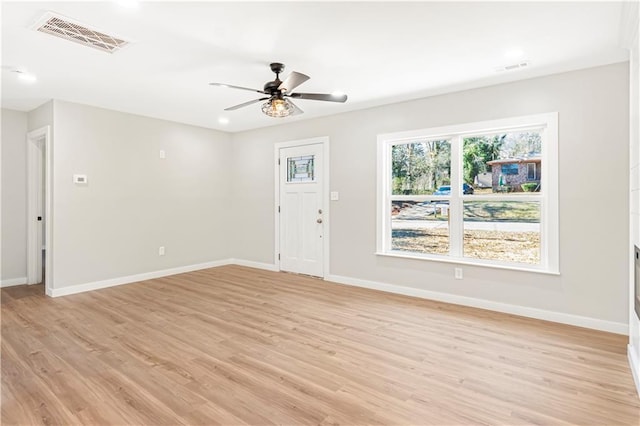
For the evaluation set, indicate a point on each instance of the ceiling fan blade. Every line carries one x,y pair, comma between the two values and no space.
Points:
296,108
319,97
236,87
292,81
244,104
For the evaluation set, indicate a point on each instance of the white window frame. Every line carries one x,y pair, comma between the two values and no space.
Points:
548,198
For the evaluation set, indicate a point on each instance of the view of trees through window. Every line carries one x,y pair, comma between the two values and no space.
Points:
503,166
419,168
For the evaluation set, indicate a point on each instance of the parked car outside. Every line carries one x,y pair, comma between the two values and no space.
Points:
446,189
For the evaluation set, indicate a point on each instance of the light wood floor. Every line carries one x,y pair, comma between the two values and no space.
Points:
234,345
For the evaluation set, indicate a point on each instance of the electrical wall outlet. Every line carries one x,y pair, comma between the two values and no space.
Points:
458,273
161,251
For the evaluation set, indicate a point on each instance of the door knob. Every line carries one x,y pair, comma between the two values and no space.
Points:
319,220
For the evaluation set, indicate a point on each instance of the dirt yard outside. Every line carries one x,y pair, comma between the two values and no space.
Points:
520,247
502,231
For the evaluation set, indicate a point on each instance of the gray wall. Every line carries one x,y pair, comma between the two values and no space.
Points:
41,116
593,154
134,201
14,197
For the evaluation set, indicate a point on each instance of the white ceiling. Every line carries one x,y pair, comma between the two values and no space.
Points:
377,53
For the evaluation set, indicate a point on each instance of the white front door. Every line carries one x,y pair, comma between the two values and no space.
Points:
301,219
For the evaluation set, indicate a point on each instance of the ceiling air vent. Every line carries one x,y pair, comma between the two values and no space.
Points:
512,67
65,28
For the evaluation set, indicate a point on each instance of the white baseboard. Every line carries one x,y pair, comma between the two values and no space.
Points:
81,288
634,363
252,264
13,281
580,321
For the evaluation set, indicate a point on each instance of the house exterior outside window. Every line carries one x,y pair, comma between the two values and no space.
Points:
509,174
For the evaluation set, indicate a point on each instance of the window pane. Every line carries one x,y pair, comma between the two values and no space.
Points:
419,168
300,169
420,227
506,162
509,169
507,231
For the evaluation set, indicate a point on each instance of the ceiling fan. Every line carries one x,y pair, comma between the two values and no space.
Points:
279,94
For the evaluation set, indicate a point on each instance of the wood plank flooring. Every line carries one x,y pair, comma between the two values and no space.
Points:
235,345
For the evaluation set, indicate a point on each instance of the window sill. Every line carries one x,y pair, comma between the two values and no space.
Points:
479,263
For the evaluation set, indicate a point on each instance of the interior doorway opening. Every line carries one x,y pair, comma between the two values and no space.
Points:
39,254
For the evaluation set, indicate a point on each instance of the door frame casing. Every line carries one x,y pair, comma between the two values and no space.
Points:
324,141
35,138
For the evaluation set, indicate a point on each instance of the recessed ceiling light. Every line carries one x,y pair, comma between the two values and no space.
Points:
223,120
25,76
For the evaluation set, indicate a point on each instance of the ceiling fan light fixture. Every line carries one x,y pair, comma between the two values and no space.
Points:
278,104
277,108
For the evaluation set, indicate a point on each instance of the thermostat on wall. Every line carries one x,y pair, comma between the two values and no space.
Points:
82,179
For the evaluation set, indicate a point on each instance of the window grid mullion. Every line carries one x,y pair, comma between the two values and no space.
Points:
455,212
386,214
